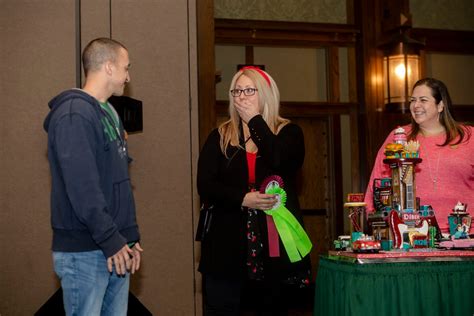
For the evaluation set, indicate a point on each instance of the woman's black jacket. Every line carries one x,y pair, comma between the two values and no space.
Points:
223,182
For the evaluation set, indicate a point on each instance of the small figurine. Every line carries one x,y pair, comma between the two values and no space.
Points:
393,150
412,149
366,244
342,242
400,136
459,221
457,243
460,208
401,231
356,206
400,148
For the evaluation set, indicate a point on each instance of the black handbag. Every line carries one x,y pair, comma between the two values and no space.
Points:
204,223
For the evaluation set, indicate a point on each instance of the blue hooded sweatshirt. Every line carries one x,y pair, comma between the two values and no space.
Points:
92,205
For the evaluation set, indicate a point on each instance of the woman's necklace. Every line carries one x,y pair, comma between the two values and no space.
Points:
434,175
250,145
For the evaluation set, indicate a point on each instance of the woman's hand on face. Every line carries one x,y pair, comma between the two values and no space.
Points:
259,201
247,110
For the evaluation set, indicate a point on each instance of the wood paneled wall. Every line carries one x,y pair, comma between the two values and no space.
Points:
317,184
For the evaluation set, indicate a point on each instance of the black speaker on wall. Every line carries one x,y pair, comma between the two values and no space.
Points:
130,111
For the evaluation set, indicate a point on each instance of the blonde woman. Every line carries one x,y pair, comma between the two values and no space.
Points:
242,249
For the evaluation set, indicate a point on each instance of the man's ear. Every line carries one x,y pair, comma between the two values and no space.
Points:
108,67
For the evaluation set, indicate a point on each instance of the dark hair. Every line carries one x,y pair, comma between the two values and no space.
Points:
99,51
454,130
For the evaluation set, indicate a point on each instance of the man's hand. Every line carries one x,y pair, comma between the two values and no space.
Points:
122,261
136,257
125,259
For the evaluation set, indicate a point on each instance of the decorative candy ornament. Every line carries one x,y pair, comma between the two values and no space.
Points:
295,240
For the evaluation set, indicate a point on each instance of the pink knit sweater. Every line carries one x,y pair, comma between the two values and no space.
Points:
444,177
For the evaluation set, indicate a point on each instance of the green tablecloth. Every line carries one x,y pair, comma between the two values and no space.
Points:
398,289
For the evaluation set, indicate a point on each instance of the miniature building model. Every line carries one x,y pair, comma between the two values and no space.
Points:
397,216
402,156
403,178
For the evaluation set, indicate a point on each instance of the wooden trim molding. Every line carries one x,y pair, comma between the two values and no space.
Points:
251,32
302,109
206,68
446,41
333,74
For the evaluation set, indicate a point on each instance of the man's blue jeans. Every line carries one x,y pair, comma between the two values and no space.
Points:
88,287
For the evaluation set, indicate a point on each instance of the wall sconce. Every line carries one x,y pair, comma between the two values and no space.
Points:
401,70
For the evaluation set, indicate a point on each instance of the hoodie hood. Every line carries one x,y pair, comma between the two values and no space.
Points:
61,99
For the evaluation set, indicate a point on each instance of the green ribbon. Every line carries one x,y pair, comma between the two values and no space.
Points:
295,240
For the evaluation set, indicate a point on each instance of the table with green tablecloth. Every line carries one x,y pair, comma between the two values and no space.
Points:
428,287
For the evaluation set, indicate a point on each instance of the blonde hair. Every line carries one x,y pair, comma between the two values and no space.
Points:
269,103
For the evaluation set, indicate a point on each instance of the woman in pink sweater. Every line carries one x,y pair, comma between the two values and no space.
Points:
446,174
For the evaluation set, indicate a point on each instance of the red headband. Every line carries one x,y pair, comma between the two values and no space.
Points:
260,71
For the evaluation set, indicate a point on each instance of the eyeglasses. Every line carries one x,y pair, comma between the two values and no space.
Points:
247,92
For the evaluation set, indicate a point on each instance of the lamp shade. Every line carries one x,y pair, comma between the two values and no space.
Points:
401,70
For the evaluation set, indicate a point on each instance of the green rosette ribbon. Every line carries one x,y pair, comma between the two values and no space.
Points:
295,240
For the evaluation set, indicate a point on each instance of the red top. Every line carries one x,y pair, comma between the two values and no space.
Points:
274,247
251,158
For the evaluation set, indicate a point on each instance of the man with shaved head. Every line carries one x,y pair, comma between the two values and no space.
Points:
95,233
